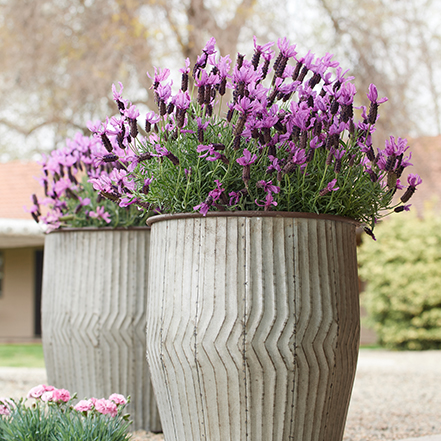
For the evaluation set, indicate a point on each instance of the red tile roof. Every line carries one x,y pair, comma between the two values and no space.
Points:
18,180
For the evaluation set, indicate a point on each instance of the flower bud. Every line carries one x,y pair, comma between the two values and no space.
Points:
408,194
106,142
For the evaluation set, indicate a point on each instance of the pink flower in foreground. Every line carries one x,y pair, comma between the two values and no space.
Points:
61,395
38,391
118,399
105,407
83,406
4,407
47,396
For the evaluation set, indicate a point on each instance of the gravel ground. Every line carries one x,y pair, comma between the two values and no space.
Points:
396,395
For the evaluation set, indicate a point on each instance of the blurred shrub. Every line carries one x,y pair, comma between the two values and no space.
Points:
403,274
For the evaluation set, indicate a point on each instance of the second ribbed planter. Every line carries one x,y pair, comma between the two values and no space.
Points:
94,316
253,325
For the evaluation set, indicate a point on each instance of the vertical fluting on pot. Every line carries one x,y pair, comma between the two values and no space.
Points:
93,317
252,327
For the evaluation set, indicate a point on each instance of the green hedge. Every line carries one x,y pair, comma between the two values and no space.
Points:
403,274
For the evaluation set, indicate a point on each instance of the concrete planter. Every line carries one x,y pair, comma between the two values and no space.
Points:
94,316
253,325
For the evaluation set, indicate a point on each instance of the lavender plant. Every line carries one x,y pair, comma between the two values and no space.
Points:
70,199
288,141
53,416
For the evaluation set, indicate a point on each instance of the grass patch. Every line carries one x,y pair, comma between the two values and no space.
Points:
21,355
373,346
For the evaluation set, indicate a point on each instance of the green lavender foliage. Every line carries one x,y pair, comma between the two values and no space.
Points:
125,217
174,190
403,274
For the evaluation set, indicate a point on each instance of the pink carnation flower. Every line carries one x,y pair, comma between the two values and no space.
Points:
118,399
4,407
38,391
106,407
47,396
83,406
61,395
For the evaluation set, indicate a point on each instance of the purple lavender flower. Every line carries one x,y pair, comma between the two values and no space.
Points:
209,150
100,213
330,187
122,180
82,203
373,95
201,61
298,155
100,130
181,100
288,126
223,68
286,51
117,96
274,164
268,187
246,159
185,72
402,208
258,51
201,128
217,192
146,186
35,209
126,201
234,197
413,180
268,202
150,118
338,155
132,112
340,79
203,207
213,196
164,92
159,77
395,148
102,183
373,98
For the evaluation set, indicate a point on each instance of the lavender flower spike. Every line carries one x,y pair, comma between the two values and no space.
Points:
413,180
373,98
330,187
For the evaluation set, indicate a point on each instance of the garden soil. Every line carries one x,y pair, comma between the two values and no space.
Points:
396,395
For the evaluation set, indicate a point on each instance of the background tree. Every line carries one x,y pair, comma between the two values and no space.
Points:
59,58
393,44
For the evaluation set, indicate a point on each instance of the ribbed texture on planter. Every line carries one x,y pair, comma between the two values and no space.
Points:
94,317
253,327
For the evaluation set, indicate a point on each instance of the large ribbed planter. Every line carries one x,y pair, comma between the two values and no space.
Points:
253,325
94,316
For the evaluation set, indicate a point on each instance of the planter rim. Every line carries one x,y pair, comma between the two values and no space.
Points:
103,229
285,214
